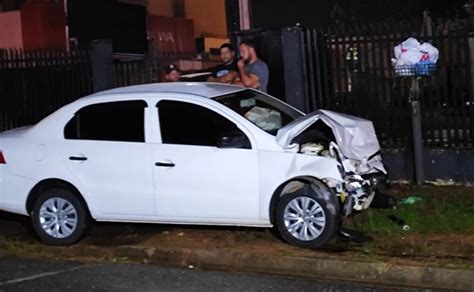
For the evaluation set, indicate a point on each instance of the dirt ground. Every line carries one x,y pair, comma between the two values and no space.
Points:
452,249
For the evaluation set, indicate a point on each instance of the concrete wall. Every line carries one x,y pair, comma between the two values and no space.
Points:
43,25
212,43
10,30
209,17
161,7
171,34
443,166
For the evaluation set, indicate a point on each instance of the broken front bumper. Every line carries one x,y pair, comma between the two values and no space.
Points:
358,192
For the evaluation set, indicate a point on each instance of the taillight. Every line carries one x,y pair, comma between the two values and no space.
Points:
2,158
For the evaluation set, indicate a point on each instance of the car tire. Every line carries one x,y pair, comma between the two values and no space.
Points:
307,218
59,217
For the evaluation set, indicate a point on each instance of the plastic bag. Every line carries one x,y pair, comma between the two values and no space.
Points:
413,58
409,44
397,50
264,118
410,57
430,53
411,52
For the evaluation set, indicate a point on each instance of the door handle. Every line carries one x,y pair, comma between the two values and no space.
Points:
165,164
77,158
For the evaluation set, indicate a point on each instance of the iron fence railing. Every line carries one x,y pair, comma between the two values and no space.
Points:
35,83
354,74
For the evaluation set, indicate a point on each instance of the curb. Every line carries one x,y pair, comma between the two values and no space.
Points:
316,268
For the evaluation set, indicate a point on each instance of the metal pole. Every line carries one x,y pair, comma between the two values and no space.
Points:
102,64
417,131
244,14
294,68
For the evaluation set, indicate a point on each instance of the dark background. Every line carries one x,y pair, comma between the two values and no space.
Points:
277,13
125,24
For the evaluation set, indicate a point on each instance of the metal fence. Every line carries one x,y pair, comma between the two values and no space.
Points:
352,73
35,83
346,72
150,70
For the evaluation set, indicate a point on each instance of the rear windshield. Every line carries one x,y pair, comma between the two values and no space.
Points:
267,112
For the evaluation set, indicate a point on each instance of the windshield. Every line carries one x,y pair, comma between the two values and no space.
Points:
267,112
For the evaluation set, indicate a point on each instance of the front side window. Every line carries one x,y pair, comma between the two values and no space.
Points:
268,113
190,124
112,121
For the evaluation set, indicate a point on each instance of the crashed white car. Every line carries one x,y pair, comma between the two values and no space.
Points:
189,153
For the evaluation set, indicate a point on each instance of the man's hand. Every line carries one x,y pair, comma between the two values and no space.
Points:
246,79
241,64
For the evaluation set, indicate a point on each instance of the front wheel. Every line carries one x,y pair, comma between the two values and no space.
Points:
303,218
59,217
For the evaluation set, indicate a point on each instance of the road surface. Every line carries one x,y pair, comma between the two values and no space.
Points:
36,275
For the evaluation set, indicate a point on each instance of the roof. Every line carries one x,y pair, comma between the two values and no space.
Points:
204,89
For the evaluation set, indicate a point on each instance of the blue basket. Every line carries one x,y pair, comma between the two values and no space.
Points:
425,68
404,70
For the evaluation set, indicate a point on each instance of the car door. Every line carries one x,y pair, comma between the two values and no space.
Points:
105,150
197,181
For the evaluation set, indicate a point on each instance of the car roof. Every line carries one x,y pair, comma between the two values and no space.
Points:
203,89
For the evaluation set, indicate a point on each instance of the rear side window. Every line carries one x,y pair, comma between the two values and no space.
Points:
113,121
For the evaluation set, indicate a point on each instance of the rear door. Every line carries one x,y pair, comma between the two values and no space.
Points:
105,150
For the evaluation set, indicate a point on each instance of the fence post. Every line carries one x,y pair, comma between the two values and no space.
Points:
102,64
294,65
418,151
471,59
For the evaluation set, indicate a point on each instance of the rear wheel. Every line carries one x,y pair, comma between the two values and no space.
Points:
303,218
59,217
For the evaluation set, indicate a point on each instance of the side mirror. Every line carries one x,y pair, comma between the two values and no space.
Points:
233,140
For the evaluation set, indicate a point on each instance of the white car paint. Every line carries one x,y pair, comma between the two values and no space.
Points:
120,182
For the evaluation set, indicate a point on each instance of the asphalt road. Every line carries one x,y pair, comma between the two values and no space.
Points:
34,275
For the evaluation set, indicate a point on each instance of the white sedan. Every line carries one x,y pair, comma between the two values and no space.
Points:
189,153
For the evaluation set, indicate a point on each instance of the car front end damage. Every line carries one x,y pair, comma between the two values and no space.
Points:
349,140
361,181
356,192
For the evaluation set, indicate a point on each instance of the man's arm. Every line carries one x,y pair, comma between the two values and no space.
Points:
227,78
247,80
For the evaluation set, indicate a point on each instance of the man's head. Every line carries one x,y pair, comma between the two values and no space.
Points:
247,50
227,53
172,73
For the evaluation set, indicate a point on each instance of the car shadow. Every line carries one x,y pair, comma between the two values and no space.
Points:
15,225
105,234
114,234
110,234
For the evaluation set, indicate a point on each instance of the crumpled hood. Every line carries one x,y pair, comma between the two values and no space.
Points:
355,137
